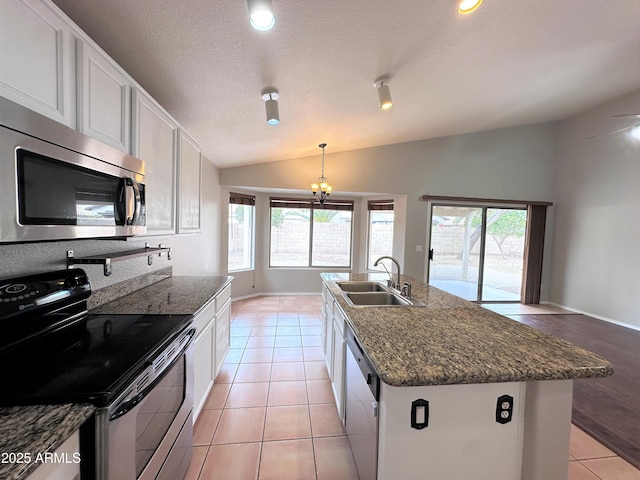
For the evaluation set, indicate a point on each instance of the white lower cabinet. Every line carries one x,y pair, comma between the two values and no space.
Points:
213,338
339,356
204,356
223,332
334,325
66,464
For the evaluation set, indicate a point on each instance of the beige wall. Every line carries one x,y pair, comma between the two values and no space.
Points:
513,163
596,246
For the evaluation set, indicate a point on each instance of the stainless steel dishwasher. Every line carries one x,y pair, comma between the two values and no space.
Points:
363,393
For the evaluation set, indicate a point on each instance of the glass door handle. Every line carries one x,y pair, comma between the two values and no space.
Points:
431,254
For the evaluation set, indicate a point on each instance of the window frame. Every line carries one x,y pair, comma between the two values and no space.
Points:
376,205
304,203
247,200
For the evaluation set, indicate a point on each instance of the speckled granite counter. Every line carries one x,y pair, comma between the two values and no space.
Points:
34,430
174,295
453,341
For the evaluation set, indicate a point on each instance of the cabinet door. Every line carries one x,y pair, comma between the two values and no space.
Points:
203,367
104,98
339,356
328,354
223,334
37,64
189,178
154,138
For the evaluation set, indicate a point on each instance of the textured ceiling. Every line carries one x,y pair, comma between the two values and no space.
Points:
510,63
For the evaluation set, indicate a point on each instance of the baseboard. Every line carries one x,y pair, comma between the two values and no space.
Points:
273,294
593,315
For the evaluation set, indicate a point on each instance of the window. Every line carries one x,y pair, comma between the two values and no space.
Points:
380,235
308,234
241,221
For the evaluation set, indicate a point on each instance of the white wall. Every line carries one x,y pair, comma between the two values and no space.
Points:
513,163
596,245
196,254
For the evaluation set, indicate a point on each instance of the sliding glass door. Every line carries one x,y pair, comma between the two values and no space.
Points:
477,252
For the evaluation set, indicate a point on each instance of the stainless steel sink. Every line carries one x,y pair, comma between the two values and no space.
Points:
376,298
361,286
379,299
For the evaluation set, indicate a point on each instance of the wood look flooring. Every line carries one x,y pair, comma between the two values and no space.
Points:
606,408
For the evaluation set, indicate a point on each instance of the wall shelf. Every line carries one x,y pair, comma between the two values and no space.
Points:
109,258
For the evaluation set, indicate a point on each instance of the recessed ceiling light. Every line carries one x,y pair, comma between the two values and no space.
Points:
468,6
261,15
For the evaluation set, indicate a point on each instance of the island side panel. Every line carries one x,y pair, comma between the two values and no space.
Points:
462,439
547,430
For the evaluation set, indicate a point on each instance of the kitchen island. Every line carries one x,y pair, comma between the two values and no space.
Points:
462,359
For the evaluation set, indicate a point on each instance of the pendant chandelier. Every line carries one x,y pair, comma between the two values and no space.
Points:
321,190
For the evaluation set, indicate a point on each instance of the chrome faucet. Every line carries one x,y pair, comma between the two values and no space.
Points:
397,285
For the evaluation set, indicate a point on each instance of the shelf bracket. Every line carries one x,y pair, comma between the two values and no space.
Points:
107,260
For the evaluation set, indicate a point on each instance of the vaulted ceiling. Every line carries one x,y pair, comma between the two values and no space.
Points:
509,63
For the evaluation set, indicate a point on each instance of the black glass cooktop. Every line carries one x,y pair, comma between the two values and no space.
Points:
89,362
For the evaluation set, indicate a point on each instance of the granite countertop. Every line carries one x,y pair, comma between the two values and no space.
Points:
36,430
174,295
453,341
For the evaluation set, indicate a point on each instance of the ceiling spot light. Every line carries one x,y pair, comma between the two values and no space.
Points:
321,190
261,15
468,6
384,94
271,105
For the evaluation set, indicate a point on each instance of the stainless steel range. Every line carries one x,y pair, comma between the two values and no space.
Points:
136,370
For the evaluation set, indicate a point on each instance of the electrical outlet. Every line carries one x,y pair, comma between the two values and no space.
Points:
504,409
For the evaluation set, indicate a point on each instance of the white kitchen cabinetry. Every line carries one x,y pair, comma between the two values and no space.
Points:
213,338
223,326
204,357
334,333
69,469
154,140
104,98
37,62
189,194
339,358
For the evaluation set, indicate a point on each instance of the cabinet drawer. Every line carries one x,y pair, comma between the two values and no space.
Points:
221,299
204,316
339,320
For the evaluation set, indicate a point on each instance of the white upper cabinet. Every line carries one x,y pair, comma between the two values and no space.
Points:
104,98
190,186
154,140
37,64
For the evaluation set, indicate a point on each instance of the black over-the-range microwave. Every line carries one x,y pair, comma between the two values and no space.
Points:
56,183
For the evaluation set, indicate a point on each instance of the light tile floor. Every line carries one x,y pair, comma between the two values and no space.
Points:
271,413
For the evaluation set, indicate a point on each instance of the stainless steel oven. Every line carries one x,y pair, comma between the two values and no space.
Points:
56,183
137,370
147,432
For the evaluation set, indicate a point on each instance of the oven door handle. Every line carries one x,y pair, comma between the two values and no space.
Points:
127,406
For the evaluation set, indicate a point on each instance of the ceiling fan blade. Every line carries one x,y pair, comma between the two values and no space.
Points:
627,115
615,131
